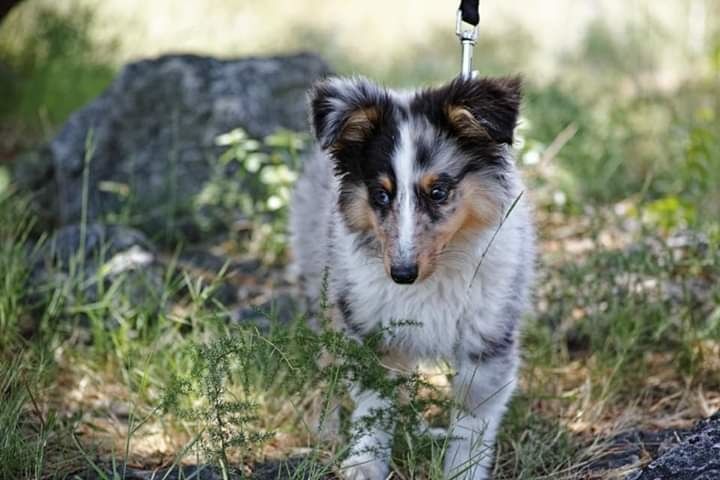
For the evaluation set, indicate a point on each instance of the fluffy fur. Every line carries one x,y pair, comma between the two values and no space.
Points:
400,202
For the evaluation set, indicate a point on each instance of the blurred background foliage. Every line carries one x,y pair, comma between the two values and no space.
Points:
258,186
622,98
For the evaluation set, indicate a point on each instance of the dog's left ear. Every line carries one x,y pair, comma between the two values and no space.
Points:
477,108
346,111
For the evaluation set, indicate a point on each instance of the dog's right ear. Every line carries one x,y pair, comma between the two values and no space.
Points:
347,112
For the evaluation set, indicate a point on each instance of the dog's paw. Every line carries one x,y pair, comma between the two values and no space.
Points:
364,468
436,433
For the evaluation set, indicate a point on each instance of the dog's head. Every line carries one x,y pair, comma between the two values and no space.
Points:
418,171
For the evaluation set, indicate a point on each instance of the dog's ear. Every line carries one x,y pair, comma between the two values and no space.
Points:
476,108
347,111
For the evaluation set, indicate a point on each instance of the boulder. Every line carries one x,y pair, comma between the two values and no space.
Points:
87,261
149,139
696,456
281,309
101,254
97,241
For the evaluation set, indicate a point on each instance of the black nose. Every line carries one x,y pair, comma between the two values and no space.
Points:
404,273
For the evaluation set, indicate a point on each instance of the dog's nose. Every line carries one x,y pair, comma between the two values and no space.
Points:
404,273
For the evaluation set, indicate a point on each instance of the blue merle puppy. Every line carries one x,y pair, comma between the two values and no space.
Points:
414,205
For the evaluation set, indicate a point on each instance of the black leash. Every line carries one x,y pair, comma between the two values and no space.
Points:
468,12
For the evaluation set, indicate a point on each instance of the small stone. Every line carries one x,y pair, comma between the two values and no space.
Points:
88,260
695,457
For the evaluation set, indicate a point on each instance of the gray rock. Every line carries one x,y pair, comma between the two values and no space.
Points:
695,457
154,131
202,259
281,309
33,171
628,448
99,242
87,261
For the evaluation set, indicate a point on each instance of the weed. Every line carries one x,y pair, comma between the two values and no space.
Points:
253,179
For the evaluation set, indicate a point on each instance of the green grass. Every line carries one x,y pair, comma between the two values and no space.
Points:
51,66
225,392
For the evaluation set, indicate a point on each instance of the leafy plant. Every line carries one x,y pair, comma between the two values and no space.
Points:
227,421
253,180
230,371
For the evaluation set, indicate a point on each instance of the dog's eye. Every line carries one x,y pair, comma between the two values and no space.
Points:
439,194
381,197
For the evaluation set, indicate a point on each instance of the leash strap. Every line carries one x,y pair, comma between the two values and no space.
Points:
468,12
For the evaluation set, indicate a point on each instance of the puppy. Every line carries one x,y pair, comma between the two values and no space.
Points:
413,206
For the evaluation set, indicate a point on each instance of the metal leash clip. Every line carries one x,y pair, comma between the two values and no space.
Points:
467,37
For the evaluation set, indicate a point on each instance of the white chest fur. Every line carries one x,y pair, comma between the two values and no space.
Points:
431,318
422,320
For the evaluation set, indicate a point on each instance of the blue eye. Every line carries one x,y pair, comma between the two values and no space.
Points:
439,194
381,197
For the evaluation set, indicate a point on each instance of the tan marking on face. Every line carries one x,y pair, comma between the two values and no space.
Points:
434,241
484,208
386,183
427,181
361,217
473,209
464,121
358,213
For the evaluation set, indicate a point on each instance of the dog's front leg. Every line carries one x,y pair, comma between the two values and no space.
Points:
482,391
371,436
